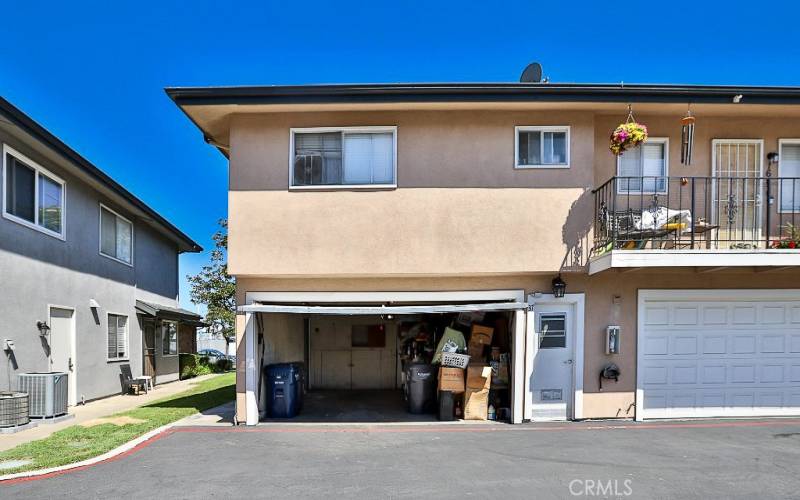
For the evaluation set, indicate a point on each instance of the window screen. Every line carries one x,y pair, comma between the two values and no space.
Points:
552,330
789,166
116,236
343,158
20,189
117,336
643,169
542,147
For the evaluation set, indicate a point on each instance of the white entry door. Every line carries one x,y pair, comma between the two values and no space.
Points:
718,353
552,383
62,347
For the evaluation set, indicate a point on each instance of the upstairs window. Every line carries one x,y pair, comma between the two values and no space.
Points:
643,169
116,236
346,157
789,175
33,196
542,147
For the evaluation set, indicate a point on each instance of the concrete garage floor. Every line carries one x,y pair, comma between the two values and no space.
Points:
355,406
702,460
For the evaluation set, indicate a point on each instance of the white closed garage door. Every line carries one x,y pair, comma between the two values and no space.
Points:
718,353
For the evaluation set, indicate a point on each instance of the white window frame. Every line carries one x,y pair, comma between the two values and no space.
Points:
127,356
663,140
38,169
177,338
781,143
100,233
542,128
344,130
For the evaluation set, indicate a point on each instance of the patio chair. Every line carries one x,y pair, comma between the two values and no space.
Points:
129,381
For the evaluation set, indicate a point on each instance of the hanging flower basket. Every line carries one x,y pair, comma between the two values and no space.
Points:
626,136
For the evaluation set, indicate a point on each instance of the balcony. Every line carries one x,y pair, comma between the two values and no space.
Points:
704,222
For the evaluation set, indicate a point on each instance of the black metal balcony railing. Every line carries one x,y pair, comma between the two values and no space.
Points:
696,213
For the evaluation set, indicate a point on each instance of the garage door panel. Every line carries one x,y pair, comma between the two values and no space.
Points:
739,357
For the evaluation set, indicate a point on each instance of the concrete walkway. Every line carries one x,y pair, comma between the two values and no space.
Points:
97,409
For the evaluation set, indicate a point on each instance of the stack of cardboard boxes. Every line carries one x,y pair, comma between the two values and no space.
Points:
479,375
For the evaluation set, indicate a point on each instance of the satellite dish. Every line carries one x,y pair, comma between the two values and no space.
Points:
532,73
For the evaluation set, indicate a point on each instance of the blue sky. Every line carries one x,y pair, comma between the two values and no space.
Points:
93,73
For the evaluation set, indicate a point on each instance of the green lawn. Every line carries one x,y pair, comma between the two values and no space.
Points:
77,443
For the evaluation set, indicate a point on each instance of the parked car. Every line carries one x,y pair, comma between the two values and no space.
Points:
214,356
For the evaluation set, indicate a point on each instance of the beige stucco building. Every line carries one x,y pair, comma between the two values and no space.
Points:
347,199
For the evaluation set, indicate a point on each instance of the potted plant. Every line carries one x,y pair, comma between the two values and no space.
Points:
791,238
627,135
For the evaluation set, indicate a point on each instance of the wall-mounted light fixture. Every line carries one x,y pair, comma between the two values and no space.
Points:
772,159
559,287
737,98
43,327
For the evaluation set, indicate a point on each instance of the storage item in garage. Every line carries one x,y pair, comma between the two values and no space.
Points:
447,405
481,335
284,382
47,393
500,371
479,377
420,388
452,341
455,360
476,404
475,352
451,379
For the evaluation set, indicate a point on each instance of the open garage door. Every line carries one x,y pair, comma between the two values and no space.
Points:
718,353
350,345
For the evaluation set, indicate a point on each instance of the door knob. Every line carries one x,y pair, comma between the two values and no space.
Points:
568,362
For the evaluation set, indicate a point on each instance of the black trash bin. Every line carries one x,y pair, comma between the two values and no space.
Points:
284,382
447,405
421,388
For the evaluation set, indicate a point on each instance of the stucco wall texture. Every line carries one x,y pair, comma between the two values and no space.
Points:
462,218
38,271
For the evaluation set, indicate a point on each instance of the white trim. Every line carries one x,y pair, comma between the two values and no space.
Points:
251,371
577,301
100,241
754,257
38,169
542,128
177,338
738,294
665,142
383,297
380,309
518,367
781,142
345,130
72,379
127,337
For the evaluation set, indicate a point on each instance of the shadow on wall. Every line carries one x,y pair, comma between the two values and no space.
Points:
575,233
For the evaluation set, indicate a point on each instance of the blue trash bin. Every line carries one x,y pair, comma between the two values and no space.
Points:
284,382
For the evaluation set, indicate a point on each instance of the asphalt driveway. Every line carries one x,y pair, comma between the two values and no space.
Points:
741,459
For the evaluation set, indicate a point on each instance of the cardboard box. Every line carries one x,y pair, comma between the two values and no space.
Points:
481,335
476,404
451,379
479,377
475,352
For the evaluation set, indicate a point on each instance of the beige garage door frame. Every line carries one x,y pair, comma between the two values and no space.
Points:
370,303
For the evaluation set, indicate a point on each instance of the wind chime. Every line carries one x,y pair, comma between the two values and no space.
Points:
687,137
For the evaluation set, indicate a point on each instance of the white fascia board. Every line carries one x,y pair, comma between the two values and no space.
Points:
694,258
